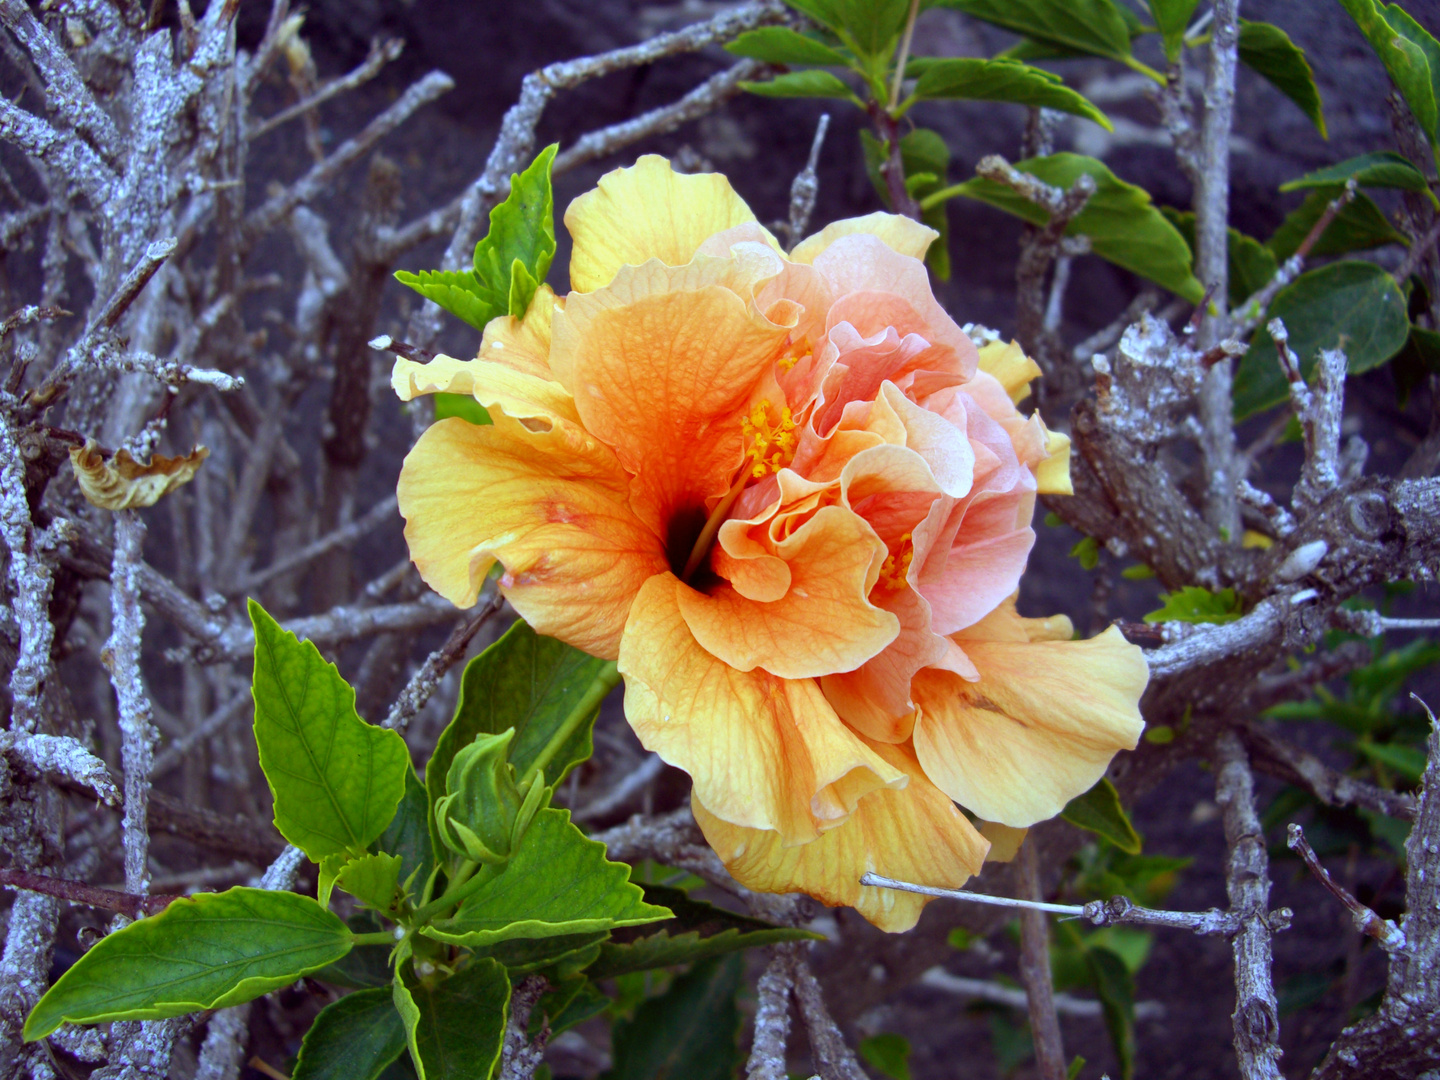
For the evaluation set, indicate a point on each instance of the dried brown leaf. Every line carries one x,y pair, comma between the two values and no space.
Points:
122,483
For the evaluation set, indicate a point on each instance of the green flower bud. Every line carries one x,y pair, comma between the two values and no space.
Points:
483,815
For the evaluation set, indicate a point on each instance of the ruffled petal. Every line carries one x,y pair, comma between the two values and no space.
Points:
1052,476
1007,362
647,211
914,834
1039,727
518,393
764,752
550,505
900,234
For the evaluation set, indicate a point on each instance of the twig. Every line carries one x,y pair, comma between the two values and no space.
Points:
424,682
347,534
381,53
1417,253
834,1058
1107,336
1290,763
1319,409
938,978
1366,921
1247,882
633,780
30,580
176,752
1035,969
805,186
131,905
1373,624
520,1057
1281,520
772,1017
60,757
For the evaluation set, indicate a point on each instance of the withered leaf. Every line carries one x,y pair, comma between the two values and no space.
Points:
122,483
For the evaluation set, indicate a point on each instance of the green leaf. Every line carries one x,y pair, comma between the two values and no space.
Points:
874,25
1353,305
1099,811
459,292
1399,42
1115,987
1087,551
781,45
374,880
922,152
335,779
1004,80
527,682
811,83
827,13
354,1038
698,931
1096,27
461,405
558,883
690,1031
888,1054
1193,604
202,952
1406,760
1251,263
572,1003
1124,227
1413,364
459,1022
1172,18
364,966
1383,169
522,230
408,835
1268,51
1358,226
409,1012
523,955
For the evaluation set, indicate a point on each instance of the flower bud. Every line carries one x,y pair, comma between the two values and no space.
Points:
483,815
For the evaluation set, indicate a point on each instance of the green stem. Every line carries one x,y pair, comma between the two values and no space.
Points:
935,198
1144,69
455,894
604,682
379,937
904,54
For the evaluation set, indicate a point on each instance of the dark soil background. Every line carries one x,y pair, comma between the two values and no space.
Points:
488,46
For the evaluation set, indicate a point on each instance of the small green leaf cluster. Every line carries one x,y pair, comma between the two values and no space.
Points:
462,883
1194,604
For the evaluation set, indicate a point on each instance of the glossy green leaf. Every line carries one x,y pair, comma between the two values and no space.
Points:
1192,604
690,1031
1383,169
1268,51
459,292
1096,27
1115,987
1358,226
1124,226
1172,18
459,1022
922,153
698,931
781,45
888,1054
522,229
202,952
408,835
1400,43
461,405
335,779
374,880
811,83
1099,811
528,682
523,955
1250,263
558,883
355,1038
1354,305
1004,80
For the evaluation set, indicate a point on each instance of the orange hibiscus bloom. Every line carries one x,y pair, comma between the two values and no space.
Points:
793,500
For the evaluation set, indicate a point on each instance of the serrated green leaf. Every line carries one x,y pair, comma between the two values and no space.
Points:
458,1024
408,835
826,13
1172,18
888,1054
523,955
1193,604
522,230
461,405
1354,305
698,931
1097,27
1004,80
1124,227
1115,987
690,1031
335,779
1251,264
201,952
811,83
1268,51
558,883
922,152
782,45
1405,55
1358,226
1099,811
1383,169
459,292
374,880
874,25
355,1038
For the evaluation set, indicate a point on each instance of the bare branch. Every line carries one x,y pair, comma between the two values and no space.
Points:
59,757
835,1059
937,978
1293,765
805,186
377,515
1035,969
772,1017
30,579
423,683
520,1057
1366,921
131,905
381,53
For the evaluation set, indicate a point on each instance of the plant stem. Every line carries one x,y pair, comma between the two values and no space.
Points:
378,937
604,682
904,55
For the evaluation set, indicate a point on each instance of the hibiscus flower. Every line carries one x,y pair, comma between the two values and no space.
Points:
793,500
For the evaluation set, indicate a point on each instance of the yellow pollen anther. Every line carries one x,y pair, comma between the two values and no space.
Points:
897,565
772,445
